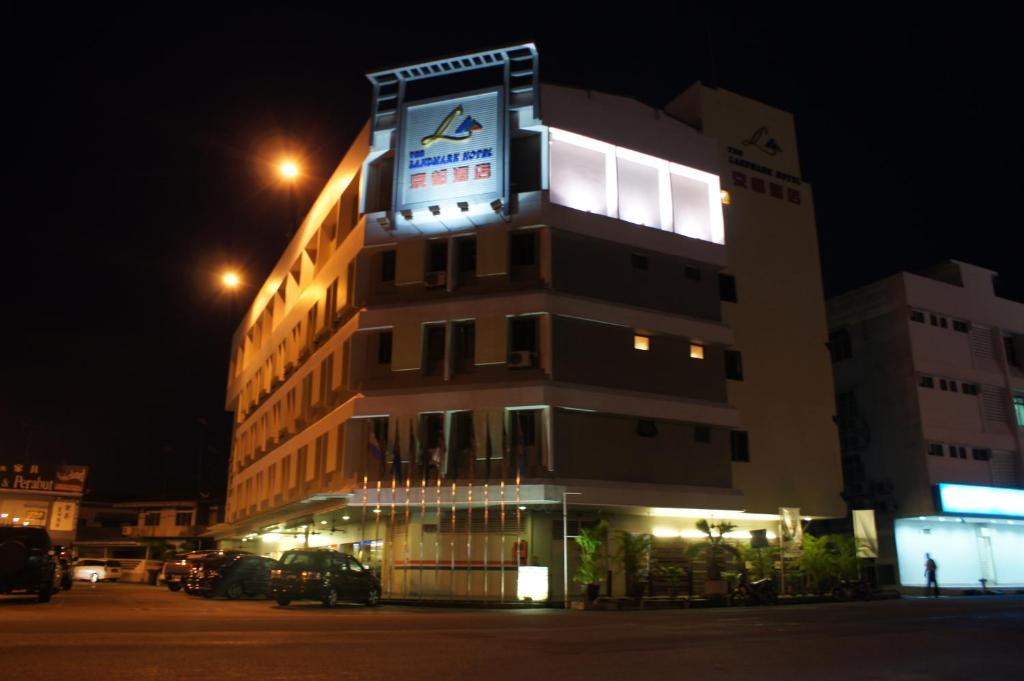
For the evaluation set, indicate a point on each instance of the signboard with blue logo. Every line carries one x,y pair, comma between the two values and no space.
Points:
452,150
980,500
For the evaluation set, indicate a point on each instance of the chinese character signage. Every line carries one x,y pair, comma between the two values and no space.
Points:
452,150
30,477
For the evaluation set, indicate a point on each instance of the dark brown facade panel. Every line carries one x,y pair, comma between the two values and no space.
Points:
608,271
609,447
593,353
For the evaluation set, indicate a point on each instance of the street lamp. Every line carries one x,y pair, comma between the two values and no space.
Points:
230,279
565,546
289,169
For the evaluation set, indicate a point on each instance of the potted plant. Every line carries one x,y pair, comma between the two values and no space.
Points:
632,556
588,573
674,575
716,551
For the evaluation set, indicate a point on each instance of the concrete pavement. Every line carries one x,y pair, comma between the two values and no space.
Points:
121,631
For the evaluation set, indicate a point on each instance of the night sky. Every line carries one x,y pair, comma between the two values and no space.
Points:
145,136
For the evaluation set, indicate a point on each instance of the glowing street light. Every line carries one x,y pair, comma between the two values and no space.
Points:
289,170
230,279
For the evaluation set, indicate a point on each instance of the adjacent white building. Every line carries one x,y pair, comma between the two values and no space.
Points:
929,373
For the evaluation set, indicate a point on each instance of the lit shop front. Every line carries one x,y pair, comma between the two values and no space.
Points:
979,535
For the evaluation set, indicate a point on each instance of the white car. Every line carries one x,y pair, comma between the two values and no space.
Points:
97,570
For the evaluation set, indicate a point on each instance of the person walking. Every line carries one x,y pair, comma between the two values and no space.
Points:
930,568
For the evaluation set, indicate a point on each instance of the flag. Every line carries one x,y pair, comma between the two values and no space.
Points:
487,452
375,449
414,451
520,453
506,451
396,451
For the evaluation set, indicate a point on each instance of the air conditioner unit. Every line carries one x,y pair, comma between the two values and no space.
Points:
435,279
520,359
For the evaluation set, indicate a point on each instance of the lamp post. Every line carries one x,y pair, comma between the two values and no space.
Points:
565,546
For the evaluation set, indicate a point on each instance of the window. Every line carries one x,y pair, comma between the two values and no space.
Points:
701,434
522,248
943,322
384,339
934,320
692,273
639,261
464,345
733,365
593,176
959,452
961,326
326,377
935,450
331,302
952,386
727,288
981,454
387,266
696,351
917,316
1018,409
434,349
969,388
840,345
465,256
183,518
320,455
437,255
152,519
523,334
524,427
641,342
927,382
740,444
943,384
1011,351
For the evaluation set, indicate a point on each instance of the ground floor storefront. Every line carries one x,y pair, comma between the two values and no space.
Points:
966,550
501,542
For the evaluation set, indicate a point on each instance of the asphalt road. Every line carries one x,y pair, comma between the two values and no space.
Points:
122,631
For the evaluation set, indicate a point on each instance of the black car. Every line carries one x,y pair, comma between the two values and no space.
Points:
322,575
27,563
194,564
234,576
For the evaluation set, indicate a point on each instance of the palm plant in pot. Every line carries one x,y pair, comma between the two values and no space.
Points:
591,564
632,556
716,552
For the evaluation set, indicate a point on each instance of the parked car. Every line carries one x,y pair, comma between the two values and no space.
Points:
175,571
62,554
27,563
322,575
194,563
234,576
97,570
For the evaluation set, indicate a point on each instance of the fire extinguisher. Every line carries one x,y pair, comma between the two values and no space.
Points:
520,552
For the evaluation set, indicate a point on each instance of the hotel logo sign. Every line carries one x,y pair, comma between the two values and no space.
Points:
451,150
763,141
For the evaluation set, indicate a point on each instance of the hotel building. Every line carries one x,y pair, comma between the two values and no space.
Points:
512,298
929,372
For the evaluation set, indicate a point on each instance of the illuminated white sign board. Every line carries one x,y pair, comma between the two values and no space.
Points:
452,150
532,583
980,500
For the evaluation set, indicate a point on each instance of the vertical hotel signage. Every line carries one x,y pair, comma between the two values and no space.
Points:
452,150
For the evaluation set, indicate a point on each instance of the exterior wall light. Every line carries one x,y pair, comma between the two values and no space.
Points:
696,351
641,342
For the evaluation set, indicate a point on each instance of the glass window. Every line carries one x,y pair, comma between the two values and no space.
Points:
740,442
523,249
1018,408
917,316
183,518
638,193
935,450
691,210
384,340
387,266
354,565
727,288
927,382
733,365
152,519
578,176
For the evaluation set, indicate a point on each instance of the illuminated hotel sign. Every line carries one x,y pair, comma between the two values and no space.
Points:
980,500
452,150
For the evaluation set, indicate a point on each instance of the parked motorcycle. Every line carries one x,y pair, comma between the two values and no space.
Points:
852,590
755,592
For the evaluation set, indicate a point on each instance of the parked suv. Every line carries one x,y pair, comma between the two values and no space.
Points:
175,571
234,576
322,575
27,563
